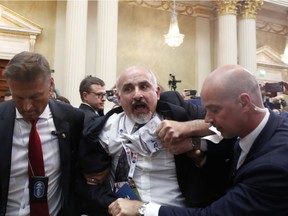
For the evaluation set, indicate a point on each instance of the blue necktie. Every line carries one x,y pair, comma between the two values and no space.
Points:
236,154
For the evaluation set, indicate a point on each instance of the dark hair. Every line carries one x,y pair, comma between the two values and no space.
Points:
27,66
85,85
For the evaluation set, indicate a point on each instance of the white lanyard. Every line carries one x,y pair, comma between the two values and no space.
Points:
132,159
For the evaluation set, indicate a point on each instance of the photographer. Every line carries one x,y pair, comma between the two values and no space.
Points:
270,95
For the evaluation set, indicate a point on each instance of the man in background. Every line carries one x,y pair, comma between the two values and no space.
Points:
93,96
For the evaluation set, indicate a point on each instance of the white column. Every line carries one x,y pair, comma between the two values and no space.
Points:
227,32
203,51
106,44
75,49
247,44
247,35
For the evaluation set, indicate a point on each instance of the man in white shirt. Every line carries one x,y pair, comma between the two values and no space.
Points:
159,173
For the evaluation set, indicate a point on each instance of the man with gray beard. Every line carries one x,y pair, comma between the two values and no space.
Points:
119,161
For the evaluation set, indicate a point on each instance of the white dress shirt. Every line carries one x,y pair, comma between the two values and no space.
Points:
246,142
155,176
18,195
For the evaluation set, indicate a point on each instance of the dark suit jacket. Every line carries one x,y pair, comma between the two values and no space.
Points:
192,180
66,119
89,113
260,185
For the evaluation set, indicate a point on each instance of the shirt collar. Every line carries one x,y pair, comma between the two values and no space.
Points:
247,141
44,114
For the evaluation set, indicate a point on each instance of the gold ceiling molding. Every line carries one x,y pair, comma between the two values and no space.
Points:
271,27
181,8
226,7
249,9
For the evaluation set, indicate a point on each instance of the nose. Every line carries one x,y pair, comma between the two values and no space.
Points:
208,118
137,93
27,105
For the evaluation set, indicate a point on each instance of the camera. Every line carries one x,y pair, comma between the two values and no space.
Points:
274,87
109,93
189,92
173,82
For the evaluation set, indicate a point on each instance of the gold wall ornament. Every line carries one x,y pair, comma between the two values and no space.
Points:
226,7
271,27
248,9
198,9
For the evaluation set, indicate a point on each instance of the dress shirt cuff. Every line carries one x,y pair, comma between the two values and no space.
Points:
152,209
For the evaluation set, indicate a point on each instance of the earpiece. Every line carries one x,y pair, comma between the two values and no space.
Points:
258,109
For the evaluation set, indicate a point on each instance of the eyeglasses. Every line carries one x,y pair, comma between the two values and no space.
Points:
99,95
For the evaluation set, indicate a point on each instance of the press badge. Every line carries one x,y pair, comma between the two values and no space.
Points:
38,188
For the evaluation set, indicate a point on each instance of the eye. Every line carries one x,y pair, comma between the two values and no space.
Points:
213,110
145,86
127,89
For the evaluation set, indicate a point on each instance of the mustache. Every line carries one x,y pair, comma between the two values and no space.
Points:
137,102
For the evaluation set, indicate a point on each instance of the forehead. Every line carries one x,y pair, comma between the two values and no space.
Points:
134,77
97,87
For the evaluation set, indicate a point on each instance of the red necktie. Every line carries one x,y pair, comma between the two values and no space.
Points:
36,169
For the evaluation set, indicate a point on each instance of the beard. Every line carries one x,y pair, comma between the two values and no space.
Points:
142,118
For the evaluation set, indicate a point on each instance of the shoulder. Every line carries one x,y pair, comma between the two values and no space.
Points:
64,109
7,106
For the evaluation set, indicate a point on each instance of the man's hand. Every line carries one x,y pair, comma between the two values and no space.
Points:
169,131
124,207
96,178
187,146
179,146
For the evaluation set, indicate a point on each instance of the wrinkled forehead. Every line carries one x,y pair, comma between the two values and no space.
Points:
134,77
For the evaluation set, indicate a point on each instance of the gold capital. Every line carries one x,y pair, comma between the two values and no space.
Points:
248,8
226,7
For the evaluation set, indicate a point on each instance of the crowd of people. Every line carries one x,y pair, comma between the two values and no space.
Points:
154,154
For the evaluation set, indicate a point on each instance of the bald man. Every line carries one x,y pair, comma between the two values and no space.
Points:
259,183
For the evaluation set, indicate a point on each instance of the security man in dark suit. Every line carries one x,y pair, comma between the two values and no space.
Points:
59,127
259,172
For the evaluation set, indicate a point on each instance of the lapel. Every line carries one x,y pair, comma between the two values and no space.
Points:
7,119
62,131
261,144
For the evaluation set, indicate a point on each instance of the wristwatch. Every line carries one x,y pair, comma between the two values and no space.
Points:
142,208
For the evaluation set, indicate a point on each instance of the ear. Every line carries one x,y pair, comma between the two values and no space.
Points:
245,100
51,87
84,95
118,97
158,91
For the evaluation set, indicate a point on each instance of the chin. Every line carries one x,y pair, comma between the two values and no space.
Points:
141,118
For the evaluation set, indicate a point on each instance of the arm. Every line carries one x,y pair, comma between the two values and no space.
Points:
94,186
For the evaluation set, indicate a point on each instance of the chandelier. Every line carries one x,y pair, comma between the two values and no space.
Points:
174,38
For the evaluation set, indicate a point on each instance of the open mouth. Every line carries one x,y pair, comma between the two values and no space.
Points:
140,106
